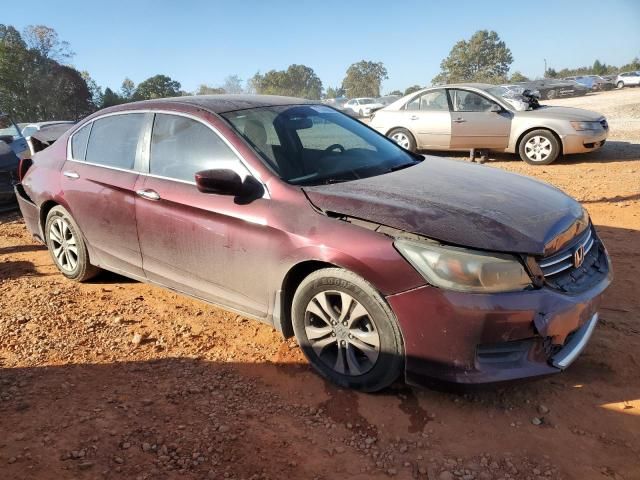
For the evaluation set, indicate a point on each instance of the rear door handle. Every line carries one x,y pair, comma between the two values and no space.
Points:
148,194
69,174
459,120
414,117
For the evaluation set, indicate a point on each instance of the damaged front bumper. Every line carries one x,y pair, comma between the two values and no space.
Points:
465,338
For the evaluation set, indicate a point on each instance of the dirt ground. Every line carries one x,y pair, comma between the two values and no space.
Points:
116,379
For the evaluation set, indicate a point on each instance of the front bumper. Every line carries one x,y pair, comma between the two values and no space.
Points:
584,141
464,338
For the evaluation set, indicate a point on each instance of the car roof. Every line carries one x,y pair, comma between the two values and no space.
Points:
220,103
52,122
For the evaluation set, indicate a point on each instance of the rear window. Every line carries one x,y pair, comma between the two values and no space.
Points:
114,140
79,142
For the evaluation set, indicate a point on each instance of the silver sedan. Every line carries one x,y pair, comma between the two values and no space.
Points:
475,116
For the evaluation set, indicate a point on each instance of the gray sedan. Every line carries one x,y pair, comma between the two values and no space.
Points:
475,116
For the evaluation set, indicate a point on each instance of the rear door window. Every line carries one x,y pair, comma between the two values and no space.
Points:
114,140
430,101
79,142
180,147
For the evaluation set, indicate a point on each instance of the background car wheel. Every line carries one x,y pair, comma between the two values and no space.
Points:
360,113
620,84
551,94
404,138
347,331
67,246
539,147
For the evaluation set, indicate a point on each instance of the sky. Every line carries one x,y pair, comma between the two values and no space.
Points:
202,42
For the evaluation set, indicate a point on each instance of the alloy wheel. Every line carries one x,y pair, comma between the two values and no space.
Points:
538,148
401,139
63,244
341,333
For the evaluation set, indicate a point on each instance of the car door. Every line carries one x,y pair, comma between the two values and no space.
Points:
206,245
98,181
474,124
428,118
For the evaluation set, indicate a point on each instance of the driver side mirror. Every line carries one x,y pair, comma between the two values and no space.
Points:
495,108
228,182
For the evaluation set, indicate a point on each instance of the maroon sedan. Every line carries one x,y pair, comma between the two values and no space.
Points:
379,261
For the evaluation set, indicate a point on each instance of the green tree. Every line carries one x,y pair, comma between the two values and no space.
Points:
296,81
46,42
364,78
94,89
482,58
111,98
411,89
128,89
158,86
207,90
334,92
396,93
232,84
518,77
551,73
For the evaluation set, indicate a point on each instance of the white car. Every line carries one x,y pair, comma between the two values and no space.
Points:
628,79
363,107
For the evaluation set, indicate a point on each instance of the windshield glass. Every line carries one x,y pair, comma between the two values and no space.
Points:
7,127
314,144
497,91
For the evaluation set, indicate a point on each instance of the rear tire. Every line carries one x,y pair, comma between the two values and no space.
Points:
404,138
67,246
539,147
347,330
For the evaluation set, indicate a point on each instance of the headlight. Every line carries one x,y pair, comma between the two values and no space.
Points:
586,125
464,270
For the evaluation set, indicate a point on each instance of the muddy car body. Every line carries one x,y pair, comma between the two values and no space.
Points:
378,260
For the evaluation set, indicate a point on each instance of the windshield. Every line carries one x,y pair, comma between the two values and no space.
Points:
7,127
497,91
314,144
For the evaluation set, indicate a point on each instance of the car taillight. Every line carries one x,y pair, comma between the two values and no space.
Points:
23,167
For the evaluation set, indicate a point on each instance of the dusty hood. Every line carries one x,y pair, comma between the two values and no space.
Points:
564,113
458,203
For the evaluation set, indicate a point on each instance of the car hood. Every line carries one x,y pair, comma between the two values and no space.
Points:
458,203
564,113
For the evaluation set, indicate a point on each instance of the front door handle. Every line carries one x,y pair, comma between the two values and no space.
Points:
459,120
148,194
72,175
414,117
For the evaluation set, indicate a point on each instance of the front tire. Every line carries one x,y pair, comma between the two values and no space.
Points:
404,138
67,246
551,94
539,147
347,331
620,85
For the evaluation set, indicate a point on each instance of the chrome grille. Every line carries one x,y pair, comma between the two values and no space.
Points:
563,260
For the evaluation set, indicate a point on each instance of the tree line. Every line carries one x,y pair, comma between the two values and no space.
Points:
37,82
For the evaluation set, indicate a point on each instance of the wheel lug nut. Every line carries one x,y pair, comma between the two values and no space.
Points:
344,323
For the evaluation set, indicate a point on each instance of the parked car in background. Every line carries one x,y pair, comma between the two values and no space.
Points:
628,79
37,144
378,261
584,80
602,83
363,107
552,88
31,128
387,99
9,163
470,116
517,96
10,135
336,102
